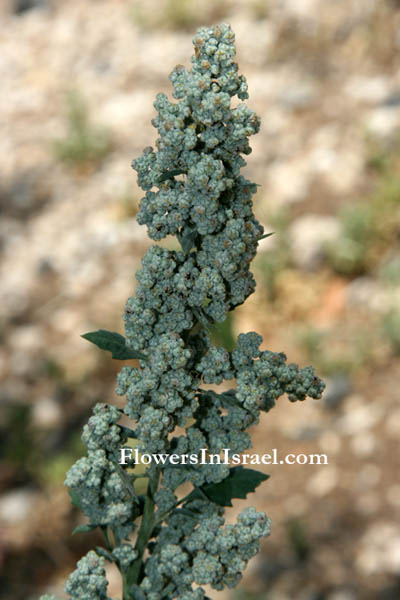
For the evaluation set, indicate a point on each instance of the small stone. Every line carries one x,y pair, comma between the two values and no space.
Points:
288,181
337,388
380,550
365,291
383,122
28,338
46,413
302,10
300,95
360,418
17,505
367,89
309,236
323,482
363,444
338,165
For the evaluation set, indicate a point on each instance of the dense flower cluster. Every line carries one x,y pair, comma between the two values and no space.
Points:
96,480
124,554
89,581
201,197
210,553
193,190
165,392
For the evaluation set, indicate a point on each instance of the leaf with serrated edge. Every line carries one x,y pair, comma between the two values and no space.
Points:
238,484
112,342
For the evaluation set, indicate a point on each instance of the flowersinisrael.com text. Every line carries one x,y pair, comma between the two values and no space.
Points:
128,455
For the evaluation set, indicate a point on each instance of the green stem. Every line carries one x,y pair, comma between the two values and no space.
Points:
144,535
127,483
125,586
167,512
107,537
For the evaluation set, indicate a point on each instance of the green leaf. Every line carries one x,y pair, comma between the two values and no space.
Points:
223,333
266,235
190,513
84,528
169,174
75,499
130,433
112,342
187,241
238,484
248,184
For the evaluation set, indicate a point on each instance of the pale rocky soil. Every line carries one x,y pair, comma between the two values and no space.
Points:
324,77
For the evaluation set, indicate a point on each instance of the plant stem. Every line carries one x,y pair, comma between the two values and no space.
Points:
145,533
107,537
166,513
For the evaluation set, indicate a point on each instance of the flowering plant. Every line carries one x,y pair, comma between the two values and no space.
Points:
194,191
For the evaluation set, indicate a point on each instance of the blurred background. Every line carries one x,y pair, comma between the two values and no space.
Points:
79,79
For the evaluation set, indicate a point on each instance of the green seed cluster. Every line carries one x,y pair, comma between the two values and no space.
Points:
124,555
194,191
262,381
88,581
101,430
165,392
200,196
210,553
96,479
202,137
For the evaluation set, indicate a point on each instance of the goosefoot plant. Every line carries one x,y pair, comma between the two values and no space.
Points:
194,191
